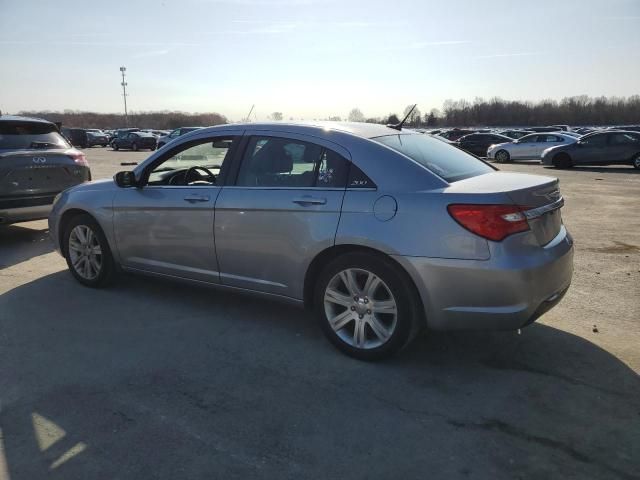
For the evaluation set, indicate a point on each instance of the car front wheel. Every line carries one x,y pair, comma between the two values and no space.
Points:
135,147
562,160
87,252
366,306
636,162
502,156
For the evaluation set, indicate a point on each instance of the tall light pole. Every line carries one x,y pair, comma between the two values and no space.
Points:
124,95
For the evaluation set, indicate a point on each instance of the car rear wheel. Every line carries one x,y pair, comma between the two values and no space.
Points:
87,252
502,156
365,306
636,161
562,160
115,146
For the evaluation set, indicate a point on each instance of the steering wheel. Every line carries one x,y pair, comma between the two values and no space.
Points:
184,178
194,171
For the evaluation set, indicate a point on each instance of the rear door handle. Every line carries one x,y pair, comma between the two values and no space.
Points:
196,198
307,200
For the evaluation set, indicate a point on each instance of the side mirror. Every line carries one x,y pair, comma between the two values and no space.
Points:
125,179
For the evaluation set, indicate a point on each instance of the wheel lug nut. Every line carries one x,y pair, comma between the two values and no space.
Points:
368,312
366,300
353,308
360,315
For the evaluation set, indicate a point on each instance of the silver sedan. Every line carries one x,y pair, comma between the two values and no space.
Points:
529,147
381,231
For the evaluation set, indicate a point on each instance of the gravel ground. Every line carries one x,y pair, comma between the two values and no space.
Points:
153,380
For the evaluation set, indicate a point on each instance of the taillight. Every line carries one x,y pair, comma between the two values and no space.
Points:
79,158
493,222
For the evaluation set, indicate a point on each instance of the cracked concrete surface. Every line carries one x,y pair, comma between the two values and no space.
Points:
153,380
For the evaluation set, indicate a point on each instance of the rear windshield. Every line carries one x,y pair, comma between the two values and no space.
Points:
21,135
446,161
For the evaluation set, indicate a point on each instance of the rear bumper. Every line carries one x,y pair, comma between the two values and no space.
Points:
24,214
500,293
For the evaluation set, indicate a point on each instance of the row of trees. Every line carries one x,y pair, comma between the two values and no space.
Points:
580,110
164,120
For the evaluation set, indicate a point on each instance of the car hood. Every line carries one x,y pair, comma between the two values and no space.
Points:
558,148
101,185
496,145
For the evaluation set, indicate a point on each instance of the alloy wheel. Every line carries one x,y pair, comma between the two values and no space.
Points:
360,308
85,252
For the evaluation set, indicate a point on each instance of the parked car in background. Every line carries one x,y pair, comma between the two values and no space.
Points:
479,143
135,141
95,138
584,130
544,129
314,217
573,134
514,134
455,133
606,148
178,132
627,128
528,147
561,128
76,136
36,164
122,133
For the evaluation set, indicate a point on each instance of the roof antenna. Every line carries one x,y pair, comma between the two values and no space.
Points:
398,126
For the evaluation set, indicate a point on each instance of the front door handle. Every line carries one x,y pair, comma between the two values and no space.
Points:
307,200
196,198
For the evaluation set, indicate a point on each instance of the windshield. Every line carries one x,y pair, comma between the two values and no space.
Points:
21,135
450,163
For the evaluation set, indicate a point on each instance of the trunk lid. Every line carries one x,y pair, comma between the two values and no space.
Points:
539,196
37,171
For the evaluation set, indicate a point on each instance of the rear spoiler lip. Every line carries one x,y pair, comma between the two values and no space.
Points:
539,211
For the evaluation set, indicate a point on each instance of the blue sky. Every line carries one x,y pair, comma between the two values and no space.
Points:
311,58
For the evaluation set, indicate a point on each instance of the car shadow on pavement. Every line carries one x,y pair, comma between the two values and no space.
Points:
153,380
598,169
19,243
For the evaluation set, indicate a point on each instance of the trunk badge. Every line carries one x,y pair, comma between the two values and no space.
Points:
39,160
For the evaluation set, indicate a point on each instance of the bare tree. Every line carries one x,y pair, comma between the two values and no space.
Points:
415,118
276,116
355,115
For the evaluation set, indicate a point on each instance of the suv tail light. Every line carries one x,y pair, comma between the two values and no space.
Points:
79,158
493,222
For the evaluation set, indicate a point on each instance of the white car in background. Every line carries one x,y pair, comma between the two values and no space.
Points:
528,147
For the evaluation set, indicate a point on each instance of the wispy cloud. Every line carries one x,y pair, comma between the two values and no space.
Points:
98,44
152,53
437,43
503,55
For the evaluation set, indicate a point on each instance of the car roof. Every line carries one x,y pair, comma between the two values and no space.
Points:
363,130
19,118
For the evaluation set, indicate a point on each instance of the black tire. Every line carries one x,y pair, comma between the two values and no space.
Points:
407,320
107,266
502,156
135,147
636,161
562,160
115,147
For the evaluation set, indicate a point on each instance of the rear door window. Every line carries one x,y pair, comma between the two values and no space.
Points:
283,162
25,135
449,163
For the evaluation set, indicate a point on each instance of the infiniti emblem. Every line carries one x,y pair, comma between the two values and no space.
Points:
39,160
